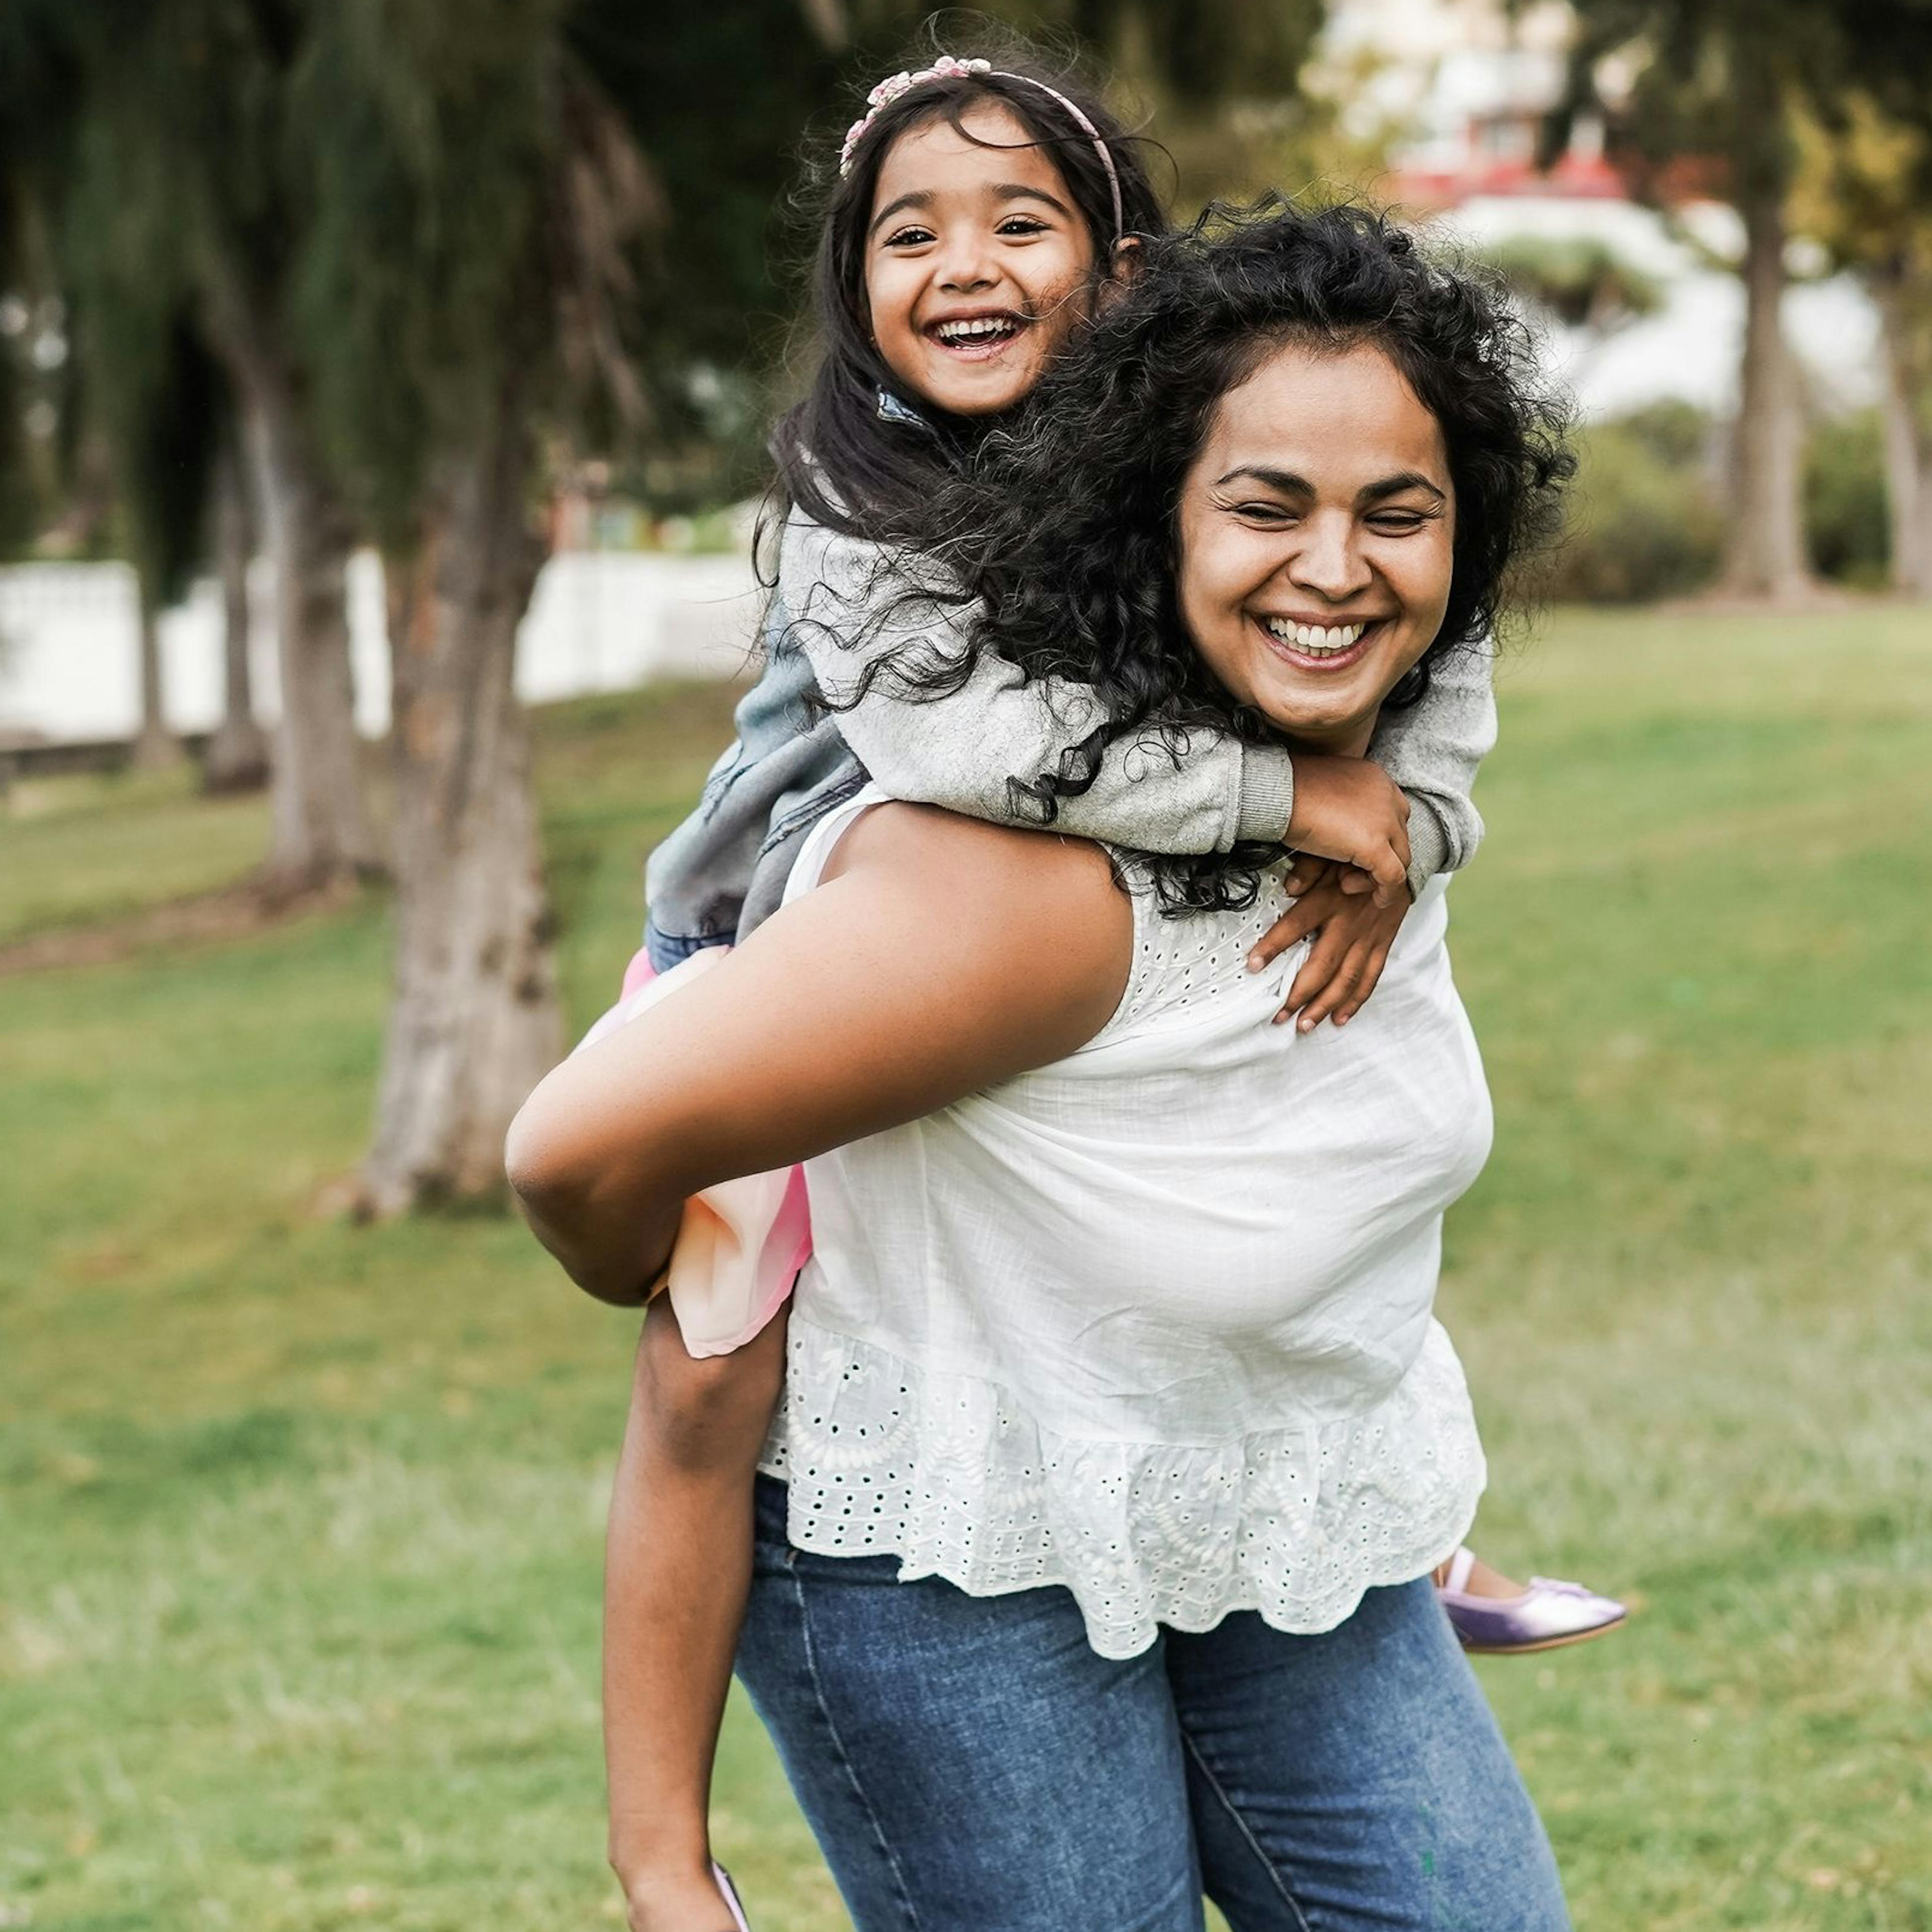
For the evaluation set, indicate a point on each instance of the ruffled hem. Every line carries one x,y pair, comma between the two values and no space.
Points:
948,1473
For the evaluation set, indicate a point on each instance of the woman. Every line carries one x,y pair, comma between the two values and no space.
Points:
1118,1442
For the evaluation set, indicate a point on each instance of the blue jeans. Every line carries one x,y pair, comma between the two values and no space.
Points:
667,949
970,1765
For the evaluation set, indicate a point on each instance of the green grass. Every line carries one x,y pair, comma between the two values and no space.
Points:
81,851
299,1523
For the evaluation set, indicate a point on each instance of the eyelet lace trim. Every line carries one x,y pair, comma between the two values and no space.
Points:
948,1473
1182,964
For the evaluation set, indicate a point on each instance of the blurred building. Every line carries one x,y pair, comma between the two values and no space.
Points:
1461,88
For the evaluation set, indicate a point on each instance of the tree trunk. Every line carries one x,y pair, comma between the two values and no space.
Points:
238,753
155,746
321,828
475,1022
828,23
1765,553
1907,409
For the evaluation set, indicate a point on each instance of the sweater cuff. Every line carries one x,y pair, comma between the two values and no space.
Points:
1428,845
1267,795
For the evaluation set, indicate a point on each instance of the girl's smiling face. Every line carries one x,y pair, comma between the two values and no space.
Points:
1317,528
978,265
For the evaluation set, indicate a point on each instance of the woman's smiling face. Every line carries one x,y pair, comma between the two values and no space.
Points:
978,265
1317,528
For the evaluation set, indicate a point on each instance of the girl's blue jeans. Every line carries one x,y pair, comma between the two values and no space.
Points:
970,1765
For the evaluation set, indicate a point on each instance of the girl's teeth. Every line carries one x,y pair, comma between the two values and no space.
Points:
974,331
1317,640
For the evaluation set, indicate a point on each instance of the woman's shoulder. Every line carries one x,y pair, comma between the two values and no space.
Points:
1042,913
1045,878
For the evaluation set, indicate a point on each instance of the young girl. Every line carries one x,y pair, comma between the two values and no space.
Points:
981,213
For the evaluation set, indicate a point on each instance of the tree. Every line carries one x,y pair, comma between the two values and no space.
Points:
1714,84
151,396
1863,189
1903,288
1223,81
39,89
170,427
148,393
476,197
721,134
321,830
1720,83
630,177
237,759
535,224
1579,282
537,220
180,156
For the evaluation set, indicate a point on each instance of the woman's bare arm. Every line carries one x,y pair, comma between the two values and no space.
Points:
941,955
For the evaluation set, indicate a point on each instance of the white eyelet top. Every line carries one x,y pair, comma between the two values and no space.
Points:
1154,1322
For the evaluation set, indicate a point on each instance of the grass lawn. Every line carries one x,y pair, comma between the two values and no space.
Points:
299,1523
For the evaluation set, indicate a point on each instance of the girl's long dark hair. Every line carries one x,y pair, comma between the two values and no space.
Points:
1061,527
836,459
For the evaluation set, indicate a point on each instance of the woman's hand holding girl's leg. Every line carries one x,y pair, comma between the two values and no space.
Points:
677,1568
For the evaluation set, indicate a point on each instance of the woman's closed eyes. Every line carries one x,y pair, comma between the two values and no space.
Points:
1393,523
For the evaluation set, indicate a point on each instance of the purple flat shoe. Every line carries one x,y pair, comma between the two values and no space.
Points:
1547,1616
730,1894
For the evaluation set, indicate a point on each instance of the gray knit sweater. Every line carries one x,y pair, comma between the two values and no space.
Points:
841,606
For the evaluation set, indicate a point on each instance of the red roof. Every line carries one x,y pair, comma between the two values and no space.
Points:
1573,177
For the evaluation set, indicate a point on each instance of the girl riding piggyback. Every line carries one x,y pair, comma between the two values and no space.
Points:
983,211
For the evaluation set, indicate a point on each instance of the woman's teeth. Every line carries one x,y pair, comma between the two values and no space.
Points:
979,328
1316,639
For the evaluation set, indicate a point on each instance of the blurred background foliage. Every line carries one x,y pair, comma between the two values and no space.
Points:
1647,520
426,278
413,196
1845,507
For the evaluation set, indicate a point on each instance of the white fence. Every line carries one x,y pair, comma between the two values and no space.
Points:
600,621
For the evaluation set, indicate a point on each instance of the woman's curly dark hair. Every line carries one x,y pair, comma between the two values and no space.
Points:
1062,526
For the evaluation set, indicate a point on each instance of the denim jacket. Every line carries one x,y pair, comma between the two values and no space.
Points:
723,871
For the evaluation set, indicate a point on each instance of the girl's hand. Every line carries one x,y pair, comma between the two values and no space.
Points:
1353,933
1350,809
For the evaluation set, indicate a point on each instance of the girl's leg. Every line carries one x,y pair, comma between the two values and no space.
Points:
1356,1779
1479,1578
678,1565
967,1761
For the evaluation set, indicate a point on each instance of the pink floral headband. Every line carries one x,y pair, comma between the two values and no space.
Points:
946,68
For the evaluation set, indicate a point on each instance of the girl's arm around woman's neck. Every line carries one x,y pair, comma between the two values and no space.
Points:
939,956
